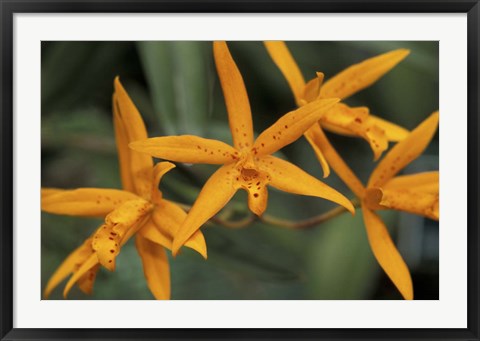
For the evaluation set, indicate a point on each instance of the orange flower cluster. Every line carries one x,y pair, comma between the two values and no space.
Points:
140,210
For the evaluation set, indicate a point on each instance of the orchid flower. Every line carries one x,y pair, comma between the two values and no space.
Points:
342,119
416,193
139,209
248,164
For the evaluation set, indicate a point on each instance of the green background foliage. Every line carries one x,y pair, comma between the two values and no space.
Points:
176,89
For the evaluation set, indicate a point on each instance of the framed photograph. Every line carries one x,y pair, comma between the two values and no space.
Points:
240,170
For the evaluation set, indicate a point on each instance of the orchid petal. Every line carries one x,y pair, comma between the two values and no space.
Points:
318,152
355,120
167,218
121,140
407,200
89,263
393,131
187,148
89,202
282,57
387,254
236,99
85,283
361,75
289,178
254,182
159,171
118,227
312,89
426,182
404,152
316,136
291,126
69,265
215,194
141,165
155,267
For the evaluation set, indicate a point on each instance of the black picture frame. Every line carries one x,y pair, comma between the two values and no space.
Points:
7,10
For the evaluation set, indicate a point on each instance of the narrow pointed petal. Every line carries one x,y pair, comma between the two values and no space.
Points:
91,261
320,157
387,254
291,126
187,148
289,178
121,140
407,200
141,165
393,131
88,202
155,267
150,231
167,218
159,171
215,194
69,265
282,57
118,227
361,75
86,282
236,98
404,152
312,89
426,182
315,135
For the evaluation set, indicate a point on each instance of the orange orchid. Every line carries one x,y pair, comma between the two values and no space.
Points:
139,209
416,193
342,119
248,165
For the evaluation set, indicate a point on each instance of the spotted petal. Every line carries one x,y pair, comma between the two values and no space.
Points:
387,254
86,282
289,178
119,225
291,126
404,152
393,131
355,121
187,148
89,202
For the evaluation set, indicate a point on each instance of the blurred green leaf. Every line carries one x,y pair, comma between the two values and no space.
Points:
73,72
179,77
341,263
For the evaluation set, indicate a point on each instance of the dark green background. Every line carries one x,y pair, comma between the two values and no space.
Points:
177,91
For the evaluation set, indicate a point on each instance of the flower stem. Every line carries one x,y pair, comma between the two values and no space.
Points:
272,220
